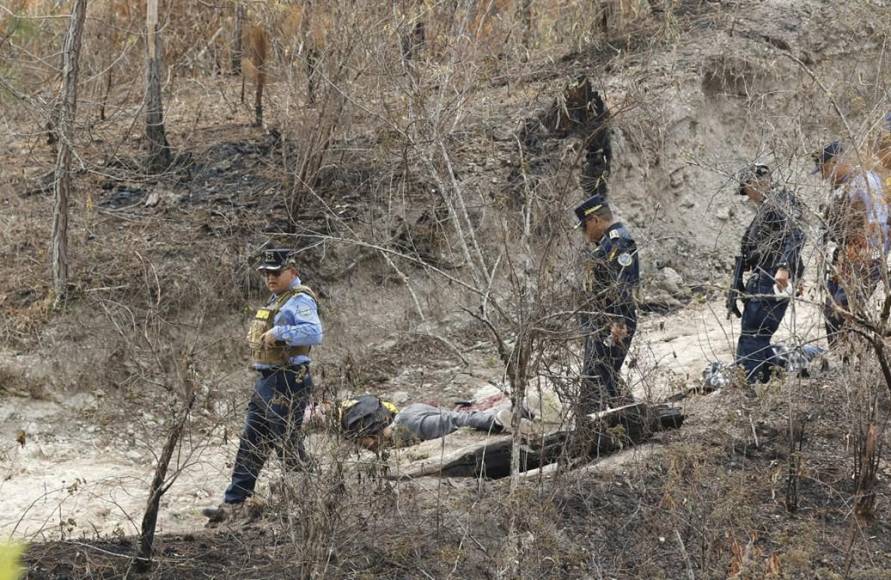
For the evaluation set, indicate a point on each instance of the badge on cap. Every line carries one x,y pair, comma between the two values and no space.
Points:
614,234
625,259
269,256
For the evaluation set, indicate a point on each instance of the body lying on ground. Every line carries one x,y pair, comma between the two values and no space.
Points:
373,422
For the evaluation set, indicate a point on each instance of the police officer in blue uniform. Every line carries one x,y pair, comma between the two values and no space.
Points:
771,251
281,337
611,273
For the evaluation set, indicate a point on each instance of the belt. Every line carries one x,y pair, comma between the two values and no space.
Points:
300,370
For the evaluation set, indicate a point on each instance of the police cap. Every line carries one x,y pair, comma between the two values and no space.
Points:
589,206
275,259
750,174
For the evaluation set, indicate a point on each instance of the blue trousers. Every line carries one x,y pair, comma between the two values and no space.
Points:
274,417
761,319
601,371
864,276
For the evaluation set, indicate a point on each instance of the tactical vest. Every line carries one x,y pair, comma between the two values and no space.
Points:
264,320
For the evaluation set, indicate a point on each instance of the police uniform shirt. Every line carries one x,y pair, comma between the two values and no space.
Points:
611,272
774,238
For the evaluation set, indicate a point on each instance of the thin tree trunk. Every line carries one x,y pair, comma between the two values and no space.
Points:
526,13
157,489
159,150
62,182
258,49
112,40
237,46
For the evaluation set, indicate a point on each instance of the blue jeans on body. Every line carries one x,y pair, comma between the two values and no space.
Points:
274,418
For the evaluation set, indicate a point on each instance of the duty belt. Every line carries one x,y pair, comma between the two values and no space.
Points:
300,370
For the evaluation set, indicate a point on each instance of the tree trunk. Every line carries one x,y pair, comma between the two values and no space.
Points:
526,13
159,150
62,182
157,489
257,47
237,47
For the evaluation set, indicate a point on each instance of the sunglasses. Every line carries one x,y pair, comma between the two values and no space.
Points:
273,273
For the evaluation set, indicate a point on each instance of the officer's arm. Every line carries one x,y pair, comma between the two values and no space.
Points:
626,275
299,324
793,242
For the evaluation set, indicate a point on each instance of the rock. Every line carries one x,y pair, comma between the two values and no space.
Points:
153,198
677,178
674,282
83,402
222,166
724,213
399,397
386,345
160,196
134,455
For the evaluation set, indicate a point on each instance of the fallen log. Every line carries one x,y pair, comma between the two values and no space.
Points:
471,454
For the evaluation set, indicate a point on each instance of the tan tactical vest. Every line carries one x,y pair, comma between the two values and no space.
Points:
263,321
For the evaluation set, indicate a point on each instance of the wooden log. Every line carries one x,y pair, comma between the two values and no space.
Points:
470,454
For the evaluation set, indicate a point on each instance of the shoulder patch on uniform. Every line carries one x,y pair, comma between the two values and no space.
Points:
614,234
625,259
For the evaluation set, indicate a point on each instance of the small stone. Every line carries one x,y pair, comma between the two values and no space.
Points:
399,397
677,178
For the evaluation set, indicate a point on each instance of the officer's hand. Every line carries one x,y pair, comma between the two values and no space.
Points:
782,278
268,338
618,331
